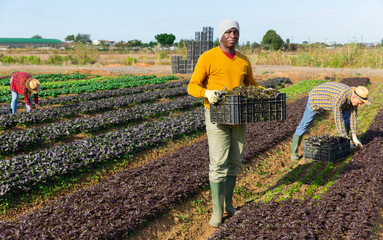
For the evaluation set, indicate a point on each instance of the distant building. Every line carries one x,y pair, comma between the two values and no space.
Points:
102,42
96,42
374,44
30,43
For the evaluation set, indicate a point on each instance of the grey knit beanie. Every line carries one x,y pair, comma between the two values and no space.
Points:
225,25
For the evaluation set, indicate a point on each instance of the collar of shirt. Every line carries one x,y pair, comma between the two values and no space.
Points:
229,55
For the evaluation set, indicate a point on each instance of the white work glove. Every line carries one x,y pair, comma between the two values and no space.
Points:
356,142
212,96
351,145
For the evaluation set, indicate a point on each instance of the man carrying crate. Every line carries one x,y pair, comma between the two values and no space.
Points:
339,98
216,69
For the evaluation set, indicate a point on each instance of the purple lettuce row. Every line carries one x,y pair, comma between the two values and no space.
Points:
356,81
18,141
107,93
272,132
346,211
24,171
124,202
48,115
121,203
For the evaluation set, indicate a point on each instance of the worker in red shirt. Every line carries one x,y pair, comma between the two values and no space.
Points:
23,83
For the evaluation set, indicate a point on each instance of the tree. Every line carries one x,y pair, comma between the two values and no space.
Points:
69,38
120,44
182,43
271,40
82,38
165,39
254,45
133,43
216,43
151,44
36,36
79,38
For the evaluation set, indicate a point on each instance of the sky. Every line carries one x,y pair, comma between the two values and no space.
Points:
329,21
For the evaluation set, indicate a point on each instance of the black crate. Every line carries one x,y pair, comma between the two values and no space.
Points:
235,110
5,111
326,152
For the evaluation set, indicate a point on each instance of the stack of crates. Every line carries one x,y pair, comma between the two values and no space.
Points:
203,42
192,56
178,64
207,39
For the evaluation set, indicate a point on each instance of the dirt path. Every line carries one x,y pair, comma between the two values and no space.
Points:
260,71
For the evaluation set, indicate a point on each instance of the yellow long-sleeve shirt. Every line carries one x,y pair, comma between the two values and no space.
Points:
214,70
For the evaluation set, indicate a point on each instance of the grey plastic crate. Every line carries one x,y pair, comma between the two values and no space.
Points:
326,152
234,110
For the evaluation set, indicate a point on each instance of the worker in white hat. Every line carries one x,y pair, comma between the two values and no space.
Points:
339,98
216,69
23,83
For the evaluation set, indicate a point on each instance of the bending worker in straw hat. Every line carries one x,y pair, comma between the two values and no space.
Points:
339,98
219,67
23,83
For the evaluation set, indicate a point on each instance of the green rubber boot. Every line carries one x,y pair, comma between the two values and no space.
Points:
294,147
229,189
218,197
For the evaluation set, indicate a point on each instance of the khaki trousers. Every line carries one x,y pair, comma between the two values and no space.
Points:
225,148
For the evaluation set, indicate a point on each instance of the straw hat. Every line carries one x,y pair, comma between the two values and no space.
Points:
362,93
33,85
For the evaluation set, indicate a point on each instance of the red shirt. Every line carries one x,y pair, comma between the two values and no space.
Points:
229,55
18,86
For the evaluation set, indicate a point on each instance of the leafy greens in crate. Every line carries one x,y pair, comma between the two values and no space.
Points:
252,92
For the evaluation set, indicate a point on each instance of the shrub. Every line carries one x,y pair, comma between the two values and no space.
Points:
161,54
22,60
34,60
55,59
130,61
8,60
85,59
84,54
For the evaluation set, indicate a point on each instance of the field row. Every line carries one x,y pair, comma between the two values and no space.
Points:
92,85
346,210
92,106
31,138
